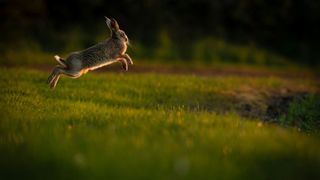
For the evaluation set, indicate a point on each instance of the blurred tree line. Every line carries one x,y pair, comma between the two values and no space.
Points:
288,27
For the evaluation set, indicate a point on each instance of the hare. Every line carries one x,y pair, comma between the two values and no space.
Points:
102,54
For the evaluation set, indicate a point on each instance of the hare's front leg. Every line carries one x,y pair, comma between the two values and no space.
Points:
127,57
124,63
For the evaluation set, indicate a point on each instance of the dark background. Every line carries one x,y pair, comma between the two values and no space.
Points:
288,27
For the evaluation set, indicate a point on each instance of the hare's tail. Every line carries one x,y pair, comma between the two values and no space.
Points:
60,61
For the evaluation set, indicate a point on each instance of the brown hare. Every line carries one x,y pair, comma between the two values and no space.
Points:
102,54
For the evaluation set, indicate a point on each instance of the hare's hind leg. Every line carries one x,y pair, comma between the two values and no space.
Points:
54,77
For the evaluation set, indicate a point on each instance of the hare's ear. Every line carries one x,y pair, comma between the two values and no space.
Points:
108,22
114,25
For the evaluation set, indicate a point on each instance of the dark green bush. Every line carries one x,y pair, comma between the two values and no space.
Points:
304,113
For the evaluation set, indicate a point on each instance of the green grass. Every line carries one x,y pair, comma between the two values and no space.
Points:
147,126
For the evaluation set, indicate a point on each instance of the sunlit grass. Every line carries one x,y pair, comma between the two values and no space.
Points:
146,126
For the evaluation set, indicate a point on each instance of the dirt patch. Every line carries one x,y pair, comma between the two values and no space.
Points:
271,108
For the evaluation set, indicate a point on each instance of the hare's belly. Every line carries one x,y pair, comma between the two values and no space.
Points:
98,65
93,59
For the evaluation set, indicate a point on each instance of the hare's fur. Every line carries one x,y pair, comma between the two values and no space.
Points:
102,54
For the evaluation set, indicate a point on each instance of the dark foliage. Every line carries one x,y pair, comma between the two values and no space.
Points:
287,27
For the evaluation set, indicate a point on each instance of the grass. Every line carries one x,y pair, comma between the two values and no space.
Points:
147,126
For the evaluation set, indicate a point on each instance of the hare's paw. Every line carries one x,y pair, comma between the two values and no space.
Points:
128,58
124,63
54,73
50,78
54,82
52,85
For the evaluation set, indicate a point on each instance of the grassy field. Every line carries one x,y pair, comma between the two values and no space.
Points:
150,126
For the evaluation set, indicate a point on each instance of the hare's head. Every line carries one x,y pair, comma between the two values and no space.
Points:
116,32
